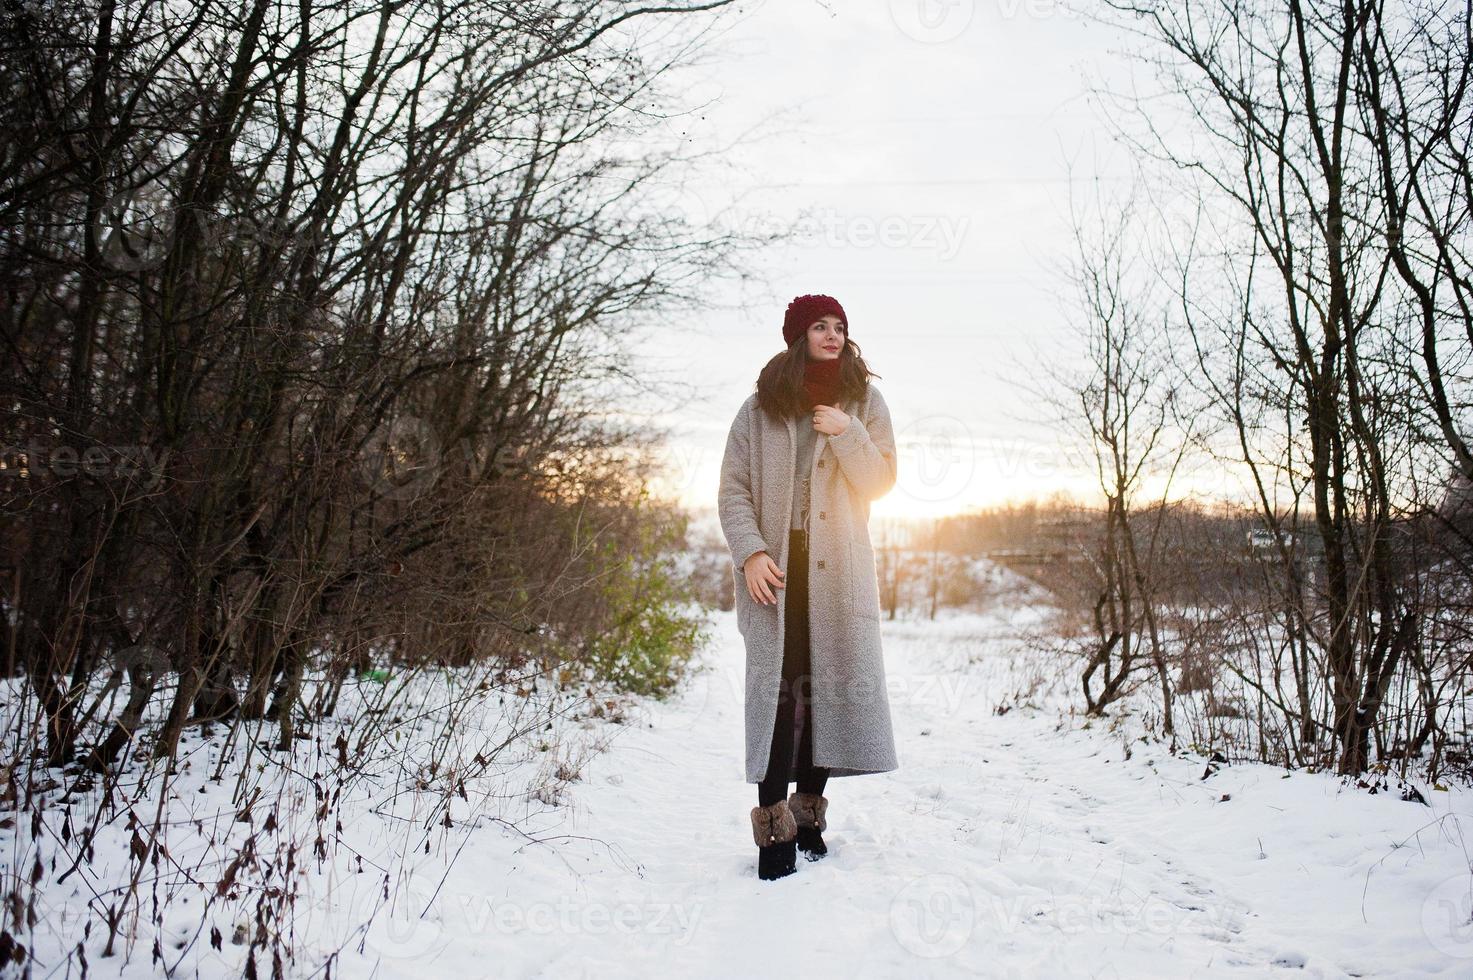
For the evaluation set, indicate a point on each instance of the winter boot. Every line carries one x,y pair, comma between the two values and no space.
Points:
774,829
808,811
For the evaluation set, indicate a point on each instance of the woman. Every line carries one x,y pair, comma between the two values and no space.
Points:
807,453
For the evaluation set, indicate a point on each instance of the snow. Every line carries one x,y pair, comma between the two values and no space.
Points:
1020,844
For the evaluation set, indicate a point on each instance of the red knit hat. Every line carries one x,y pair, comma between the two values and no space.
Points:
805,310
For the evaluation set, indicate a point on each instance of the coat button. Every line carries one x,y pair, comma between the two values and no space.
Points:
820,463
820,563
820,515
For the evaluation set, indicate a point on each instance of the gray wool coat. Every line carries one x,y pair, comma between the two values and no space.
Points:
850,706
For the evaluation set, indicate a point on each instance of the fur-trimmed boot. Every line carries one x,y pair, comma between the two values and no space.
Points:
808,810
774,830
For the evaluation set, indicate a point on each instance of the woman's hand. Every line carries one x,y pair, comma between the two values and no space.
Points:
829,420
763,575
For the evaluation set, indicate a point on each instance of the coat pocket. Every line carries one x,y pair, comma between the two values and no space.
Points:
864,582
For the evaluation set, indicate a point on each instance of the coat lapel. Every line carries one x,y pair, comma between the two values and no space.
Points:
792,427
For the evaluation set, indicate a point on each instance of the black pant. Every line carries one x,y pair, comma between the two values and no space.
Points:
794,701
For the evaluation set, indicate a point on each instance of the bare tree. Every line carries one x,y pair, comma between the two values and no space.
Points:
1322,143
316,314
1124,403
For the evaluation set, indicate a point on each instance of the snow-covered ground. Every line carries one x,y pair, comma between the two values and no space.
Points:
1019,844
1010,845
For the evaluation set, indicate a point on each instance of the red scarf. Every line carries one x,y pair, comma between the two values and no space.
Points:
821,382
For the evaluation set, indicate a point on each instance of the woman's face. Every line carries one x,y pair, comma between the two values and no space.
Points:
826,338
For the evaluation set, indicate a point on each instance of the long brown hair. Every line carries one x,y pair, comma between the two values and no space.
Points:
780,384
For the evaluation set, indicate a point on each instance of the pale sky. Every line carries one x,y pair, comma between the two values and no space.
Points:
930,143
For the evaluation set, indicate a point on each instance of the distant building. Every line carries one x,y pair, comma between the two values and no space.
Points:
1262,539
